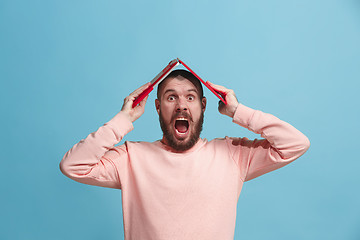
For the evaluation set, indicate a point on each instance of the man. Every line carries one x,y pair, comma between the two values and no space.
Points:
182,186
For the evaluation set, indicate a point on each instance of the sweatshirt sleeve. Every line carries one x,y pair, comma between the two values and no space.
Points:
281,145
92,160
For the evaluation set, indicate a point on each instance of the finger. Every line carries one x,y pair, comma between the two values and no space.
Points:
221,104
143,102
126,104
127,99
218,87
138,91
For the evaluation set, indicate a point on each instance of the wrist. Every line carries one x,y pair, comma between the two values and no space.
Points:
243,115
127,115
233,110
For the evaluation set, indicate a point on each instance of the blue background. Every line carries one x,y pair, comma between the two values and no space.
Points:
66,66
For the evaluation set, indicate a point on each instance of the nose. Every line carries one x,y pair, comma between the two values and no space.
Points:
181,105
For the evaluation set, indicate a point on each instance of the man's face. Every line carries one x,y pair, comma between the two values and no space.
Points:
181,112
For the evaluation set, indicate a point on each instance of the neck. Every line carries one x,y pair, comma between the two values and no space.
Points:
178,148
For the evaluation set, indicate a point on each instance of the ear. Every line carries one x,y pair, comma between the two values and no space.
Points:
203,104
157,105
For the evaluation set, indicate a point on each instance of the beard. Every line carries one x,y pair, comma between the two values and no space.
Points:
181,145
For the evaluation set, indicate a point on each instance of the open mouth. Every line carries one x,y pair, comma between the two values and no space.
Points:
181,125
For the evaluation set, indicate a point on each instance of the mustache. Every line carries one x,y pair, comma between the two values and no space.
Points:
182,114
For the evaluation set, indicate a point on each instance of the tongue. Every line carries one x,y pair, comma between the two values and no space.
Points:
181,126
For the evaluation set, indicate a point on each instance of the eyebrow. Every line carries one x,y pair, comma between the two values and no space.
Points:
173,90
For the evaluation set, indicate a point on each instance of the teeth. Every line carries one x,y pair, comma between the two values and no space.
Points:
181,118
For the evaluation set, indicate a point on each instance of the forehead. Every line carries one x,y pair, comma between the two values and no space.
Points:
177,84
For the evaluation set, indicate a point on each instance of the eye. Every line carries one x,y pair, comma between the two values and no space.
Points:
171,98
191,98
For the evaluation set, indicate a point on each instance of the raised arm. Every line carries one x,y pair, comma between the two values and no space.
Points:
91,161
281,145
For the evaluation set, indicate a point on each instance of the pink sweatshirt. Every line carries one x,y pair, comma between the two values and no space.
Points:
182,196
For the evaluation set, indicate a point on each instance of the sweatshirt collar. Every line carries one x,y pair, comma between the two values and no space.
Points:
197,146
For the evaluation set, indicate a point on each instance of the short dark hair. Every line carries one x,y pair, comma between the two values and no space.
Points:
185,74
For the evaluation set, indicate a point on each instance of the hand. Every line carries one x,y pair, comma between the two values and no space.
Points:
138,110
231,102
